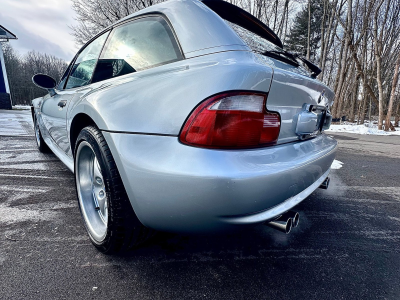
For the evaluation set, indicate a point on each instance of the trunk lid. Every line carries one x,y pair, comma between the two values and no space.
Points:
302,103
300,100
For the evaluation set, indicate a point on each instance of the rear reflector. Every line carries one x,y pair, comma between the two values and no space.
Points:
232,120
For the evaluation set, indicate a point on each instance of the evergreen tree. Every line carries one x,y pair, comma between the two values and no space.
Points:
297,38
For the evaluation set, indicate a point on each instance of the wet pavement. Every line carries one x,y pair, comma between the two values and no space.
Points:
347,245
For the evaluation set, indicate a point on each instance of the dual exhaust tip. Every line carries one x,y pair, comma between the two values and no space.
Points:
325,184
285,222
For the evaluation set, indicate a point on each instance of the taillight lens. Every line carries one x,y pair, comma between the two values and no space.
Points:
232,120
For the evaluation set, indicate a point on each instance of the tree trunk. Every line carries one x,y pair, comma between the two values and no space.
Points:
392,94
323,37
354,100
380,89
378,59
341,77
347,41
367,87
284,17
363,107
276,13
397,113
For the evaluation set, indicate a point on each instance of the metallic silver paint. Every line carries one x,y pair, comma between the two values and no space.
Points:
159,100
289,92
281,208
176,187
309,119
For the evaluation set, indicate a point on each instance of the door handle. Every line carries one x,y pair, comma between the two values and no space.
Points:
62,103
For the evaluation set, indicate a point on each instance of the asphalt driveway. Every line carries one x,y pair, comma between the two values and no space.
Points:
347,245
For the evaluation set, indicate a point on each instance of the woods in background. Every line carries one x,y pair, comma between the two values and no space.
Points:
356,44
20,70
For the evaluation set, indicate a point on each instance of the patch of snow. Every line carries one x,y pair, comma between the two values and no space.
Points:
370,129
12,215
31,166
336,165
13,123
22,107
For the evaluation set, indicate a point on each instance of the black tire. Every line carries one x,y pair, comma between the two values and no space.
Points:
124,230
42,146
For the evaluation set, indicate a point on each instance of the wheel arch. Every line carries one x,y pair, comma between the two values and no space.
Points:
80,121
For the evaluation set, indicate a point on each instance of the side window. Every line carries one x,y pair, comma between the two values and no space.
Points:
84,65
141,44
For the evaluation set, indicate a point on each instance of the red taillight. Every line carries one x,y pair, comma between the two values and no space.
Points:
232,120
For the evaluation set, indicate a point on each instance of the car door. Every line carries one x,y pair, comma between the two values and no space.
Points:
54,109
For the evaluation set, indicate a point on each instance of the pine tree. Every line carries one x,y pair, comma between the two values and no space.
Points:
297,39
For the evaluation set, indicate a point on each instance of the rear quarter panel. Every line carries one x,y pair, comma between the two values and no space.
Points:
159,100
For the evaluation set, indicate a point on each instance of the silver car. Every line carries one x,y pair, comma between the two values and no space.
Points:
187,116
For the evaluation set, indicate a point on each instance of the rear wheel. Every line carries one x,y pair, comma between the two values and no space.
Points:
108,215
39,139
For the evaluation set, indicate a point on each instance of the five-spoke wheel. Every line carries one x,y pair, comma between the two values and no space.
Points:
91,191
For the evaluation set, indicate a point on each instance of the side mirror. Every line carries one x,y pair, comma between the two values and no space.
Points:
45,82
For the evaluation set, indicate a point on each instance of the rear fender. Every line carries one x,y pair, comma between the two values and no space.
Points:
159,100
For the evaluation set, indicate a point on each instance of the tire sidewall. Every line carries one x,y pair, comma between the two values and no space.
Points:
35,127
42,146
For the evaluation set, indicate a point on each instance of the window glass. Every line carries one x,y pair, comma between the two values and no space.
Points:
85,63
139,45
254,41
260,45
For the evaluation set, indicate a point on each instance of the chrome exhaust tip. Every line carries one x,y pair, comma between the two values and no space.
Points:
282,224
325,184
294,215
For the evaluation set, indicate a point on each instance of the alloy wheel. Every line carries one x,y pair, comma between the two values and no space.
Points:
91,191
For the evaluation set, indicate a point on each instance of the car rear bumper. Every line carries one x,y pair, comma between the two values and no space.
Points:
174,187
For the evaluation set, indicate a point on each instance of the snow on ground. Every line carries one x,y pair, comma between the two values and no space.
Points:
361,129
22,107
336,165
15,123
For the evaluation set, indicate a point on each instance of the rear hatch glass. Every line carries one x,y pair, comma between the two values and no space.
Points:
258,36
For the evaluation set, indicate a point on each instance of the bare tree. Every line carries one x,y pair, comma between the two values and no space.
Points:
20,70
388,123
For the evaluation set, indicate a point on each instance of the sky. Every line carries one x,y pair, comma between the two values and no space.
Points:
40,25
